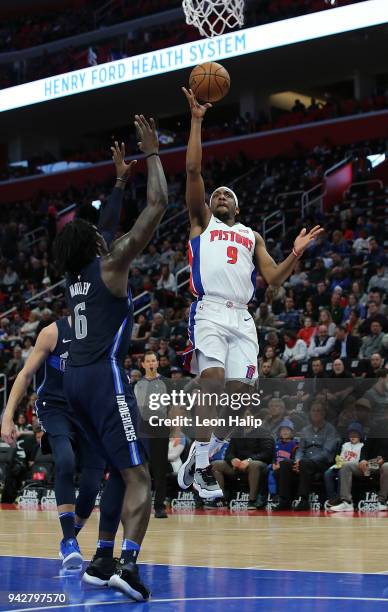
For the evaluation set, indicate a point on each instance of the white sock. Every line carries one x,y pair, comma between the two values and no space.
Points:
201,455
215,445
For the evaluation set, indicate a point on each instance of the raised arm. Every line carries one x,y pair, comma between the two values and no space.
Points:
275,274
116,264
199,212
110,215
44,345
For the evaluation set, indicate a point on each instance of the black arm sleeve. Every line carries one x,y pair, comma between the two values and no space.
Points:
110,215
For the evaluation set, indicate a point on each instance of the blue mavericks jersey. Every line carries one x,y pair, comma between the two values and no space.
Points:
51,389
101,322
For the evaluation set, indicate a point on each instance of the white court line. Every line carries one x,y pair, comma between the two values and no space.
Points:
228,567
184,599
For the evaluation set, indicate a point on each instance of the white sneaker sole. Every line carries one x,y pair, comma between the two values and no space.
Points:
332,509
94,580
117,583
72,561
182,469
204,494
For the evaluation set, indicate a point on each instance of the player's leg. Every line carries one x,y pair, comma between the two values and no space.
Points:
92,466
103,565
135,515
59,432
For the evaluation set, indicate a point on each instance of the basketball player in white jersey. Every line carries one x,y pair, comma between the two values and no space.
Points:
224,256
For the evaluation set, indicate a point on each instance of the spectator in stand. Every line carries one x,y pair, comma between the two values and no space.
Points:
166,280
136,281
353,305
276,414
336,310
353,323
273,340
322,297
47,319
159,327
298,278
380,279
321,344
166,350
316,452
22,424
248,455
374,456
378,394
346,346
151,259
15,364
373,342
27,348
141,332
376,295
325,318
29,328
136,375
316,376
373,314
263,317
375,363
350,453
309,310
307,331
375,257
164,366
277,369
317,276
10,278
340,387
290,317
338,244
295,351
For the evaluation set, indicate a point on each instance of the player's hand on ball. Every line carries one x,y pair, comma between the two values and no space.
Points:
147,135
123,170
8,431
304,239
197,110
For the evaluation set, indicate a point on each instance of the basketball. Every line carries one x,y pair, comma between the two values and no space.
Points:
210,82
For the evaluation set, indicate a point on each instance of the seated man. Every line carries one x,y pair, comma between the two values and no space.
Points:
248,454
374,458
378,394
316,452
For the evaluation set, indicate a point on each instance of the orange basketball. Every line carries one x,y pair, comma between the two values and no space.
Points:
210,82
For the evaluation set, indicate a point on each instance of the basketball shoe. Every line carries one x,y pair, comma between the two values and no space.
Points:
205,484
187,469
100,570
70,554
127,580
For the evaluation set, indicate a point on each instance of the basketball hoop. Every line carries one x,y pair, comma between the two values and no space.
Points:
213,17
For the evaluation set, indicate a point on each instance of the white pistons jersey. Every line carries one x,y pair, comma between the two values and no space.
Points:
221,262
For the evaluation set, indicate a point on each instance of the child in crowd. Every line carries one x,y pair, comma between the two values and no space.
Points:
350,452
285,449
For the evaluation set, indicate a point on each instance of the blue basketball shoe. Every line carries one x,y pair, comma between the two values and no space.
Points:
70,554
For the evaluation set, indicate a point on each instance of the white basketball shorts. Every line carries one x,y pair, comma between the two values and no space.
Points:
225,332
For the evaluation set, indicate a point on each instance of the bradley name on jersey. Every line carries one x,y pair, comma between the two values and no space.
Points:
79,288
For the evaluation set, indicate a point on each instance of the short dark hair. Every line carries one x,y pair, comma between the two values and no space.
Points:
149,353
75,246
316,359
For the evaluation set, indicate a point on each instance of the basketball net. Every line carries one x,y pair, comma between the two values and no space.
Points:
213,17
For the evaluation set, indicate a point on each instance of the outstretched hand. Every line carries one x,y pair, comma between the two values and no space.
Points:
304,239
197,110
123,170
146,132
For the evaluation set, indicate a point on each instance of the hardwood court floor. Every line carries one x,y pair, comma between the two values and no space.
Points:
282,541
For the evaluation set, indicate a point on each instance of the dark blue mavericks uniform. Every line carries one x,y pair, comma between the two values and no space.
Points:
96,385
55,415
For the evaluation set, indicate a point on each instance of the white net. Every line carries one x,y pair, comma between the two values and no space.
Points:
213,17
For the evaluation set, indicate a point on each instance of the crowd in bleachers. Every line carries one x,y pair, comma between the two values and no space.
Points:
39,30
327,326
